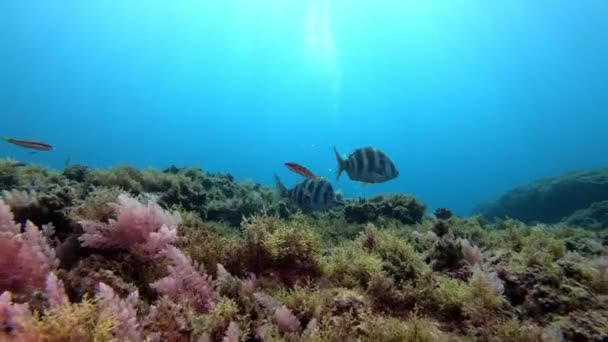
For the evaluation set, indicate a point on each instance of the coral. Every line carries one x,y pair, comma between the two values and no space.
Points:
106,318
20,199
82,321
9,173
350,266
144,228
286,321
451,296
474,229
440,227
25,258
126,178
514,330
168,321
78,173
388,297
215,323
399,258
123,310
288,249
600,281
14,318
485,297
391,329
233,333
347,302
97,206
304,303
53,197
541,249
124,272
446,254
471,254
585,326
186,281
209,244
55,292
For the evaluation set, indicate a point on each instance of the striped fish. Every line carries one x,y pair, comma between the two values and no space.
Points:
310,194
36,145
366,164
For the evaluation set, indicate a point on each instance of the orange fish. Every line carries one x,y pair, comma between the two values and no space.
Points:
301,170
29,144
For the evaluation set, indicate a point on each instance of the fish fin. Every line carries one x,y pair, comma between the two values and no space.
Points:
341,163
366,185
281,190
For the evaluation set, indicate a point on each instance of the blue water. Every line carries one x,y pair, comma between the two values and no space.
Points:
469,97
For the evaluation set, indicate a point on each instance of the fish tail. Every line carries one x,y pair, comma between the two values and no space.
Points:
281,190
341,163
7,139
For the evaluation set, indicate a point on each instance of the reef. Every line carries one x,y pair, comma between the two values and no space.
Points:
555,199
184,255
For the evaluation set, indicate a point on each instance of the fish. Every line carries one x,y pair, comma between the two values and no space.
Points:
14,163
36,145
301,170
309,194
367,164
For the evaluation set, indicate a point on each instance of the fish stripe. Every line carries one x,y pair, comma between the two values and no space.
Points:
302,192
382,164
311,191
352,164
324,191
327,194
360,162
327,190
317,191
299,194
379,157
371,160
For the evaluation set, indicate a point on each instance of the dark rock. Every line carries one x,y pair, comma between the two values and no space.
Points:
77,173
594,217
406,209
551,200
443,213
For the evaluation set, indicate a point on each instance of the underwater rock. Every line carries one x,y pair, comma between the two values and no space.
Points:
594,217
406,209
446,254
550,200
77,173
443,213
84,278
586,326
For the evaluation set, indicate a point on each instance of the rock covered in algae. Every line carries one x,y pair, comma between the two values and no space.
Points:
406,209
551,200
370,269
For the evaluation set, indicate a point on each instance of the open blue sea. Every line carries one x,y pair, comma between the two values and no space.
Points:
469,98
